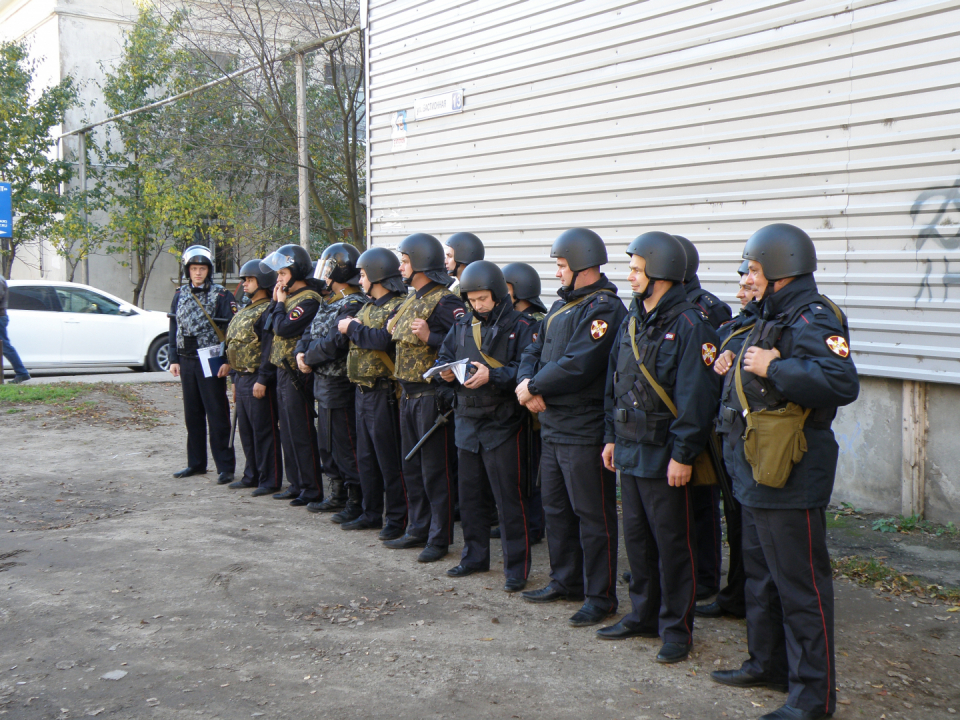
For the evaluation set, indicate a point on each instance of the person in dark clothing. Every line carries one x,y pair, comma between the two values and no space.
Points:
730,600
20,372
706,499
460,250
660,401
561,377
323,351
492,431
795,360
370,365
199,314
295,303
418,329
255,384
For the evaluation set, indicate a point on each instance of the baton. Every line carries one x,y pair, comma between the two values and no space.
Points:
441,420
233,428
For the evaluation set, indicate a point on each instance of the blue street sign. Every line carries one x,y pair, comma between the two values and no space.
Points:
6,211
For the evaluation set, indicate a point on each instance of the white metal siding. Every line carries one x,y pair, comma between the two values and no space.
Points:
705,119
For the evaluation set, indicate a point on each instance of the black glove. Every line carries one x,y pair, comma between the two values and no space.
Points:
446,398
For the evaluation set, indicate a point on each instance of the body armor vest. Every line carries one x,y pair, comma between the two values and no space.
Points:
283,347
414,356
190,318
365,367
243,345
325,320
639,413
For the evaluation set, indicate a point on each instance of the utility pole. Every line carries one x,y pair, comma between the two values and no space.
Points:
83,189
303,177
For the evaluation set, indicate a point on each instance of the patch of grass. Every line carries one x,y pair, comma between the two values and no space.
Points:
55,394
871,572
914,523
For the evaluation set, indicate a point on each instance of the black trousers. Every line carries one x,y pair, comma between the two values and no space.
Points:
205,404
378,454
298,436
706,518
580,506
535,520
491,485
790,604
430,483
257,420
731,596
661,542
339,459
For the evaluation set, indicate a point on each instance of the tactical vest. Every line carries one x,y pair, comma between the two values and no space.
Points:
639,414
283,347
557,330
481,401
365,367
323,323
191,320
414,356
243,345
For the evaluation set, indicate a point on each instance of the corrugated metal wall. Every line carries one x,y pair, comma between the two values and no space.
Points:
706,119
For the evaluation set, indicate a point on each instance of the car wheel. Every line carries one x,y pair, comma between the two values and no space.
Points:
158,357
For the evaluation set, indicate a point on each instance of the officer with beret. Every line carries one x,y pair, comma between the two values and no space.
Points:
255,384
562,377
199,314
370,366
796,362
661,398
492,431
322,351
460,250
730,600
418,328
296,299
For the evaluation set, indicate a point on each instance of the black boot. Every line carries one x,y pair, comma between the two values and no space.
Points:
336,500
354,508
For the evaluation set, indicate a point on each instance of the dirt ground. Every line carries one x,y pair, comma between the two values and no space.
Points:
203,601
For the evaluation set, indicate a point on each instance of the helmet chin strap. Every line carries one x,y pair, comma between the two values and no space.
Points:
646,292
408,281
573,282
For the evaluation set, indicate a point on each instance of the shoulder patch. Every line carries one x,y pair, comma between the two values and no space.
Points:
598,328
458,313
838,345
233,306
296,313
535,336
670,336
708,351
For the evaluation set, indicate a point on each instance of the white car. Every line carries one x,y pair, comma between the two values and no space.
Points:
63,324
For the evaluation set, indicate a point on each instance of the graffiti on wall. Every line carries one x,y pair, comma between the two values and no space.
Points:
941,230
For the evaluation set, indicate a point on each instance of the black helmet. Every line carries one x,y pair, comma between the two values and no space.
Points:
425,252
525,280
265,279
198,255
693,258
339,264
289,256
581,248
379,263
744,267
467,247
483,275
782,250
664,254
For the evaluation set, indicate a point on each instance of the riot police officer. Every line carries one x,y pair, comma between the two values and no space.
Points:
661,398
561,377
706,499
461,249
323,351
370,366
730,600
296,299
493,432
199,314
795,360
418,328
255,384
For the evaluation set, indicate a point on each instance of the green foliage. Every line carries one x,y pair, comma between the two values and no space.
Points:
914,523
26,146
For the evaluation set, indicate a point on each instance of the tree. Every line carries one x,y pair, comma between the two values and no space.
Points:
27,155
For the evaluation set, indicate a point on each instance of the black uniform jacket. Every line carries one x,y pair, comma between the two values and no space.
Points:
717,311
489,415
225,309
815,371
683,366
568,367
331,391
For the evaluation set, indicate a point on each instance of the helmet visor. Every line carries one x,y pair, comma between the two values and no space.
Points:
276,261
325,269
197,254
